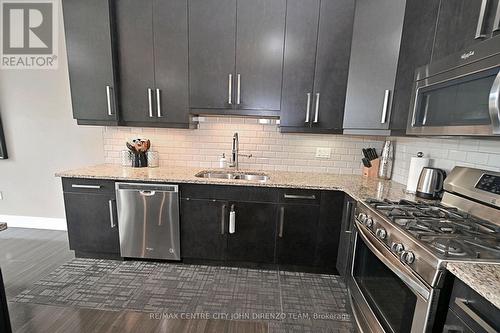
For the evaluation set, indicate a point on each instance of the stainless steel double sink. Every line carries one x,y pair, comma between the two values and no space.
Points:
256,177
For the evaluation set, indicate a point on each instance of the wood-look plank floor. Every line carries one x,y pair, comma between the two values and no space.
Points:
26,255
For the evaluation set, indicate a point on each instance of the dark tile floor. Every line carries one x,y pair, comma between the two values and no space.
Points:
288,301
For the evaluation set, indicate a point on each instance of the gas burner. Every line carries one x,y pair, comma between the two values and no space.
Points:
447,247
449,232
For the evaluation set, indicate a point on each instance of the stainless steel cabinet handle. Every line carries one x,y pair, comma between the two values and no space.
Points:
480,20
147,193
493,105
316,111
158,102
463,305
86,186
230,89
223,220
282,221
308,107
111,213
150,102
496,21
296,196
349,206
385,106
238,89
108,100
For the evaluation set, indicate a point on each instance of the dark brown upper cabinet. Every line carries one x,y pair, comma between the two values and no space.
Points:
415,51
462,23
91,64
378,25
236,56
152,40
316,63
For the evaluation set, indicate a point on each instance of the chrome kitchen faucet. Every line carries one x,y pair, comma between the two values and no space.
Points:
235,153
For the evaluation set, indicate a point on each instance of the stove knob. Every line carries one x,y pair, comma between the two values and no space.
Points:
397,248
362,217
407,257
381,233
369,222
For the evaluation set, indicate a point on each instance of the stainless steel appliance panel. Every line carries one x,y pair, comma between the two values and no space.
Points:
148,220
458,95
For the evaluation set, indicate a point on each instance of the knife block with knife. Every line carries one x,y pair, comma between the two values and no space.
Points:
371,162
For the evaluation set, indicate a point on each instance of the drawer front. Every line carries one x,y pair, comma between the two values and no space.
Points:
80,185
455,325
229,193
477,312
297,196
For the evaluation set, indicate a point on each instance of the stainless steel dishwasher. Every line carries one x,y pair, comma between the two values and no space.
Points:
148,220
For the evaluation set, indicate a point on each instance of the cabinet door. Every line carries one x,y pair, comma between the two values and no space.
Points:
374,57
458,23
299,59
90,59
170,25
416,49
344,250
332,64
329,229
203,229
92,223
297,232
212,33
259,54
255,231
136,60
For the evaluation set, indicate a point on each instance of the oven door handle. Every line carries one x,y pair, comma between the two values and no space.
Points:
493,105
398,268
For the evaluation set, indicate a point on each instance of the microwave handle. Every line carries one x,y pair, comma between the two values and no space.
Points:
496,21
480,20
494,106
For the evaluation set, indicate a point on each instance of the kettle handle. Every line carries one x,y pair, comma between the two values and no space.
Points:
440,184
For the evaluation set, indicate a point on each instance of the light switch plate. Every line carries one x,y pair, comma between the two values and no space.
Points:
323,152
1,195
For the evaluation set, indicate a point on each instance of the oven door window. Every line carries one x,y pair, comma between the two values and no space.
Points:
458,102
389,298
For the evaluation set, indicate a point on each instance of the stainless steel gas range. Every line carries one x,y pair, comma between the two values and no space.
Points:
401,249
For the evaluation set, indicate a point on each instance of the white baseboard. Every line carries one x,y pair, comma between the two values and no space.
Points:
34,222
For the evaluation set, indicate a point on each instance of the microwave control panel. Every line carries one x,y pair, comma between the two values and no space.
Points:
489,183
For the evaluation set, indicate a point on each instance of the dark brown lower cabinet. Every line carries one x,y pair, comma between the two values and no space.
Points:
203,228
297,232
345,249
91,217
254,237
295,228
469,312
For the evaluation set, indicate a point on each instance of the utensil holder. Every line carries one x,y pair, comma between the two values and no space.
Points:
372,172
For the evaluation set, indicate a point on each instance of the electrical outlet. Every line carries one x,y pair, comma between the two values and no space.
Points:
323,152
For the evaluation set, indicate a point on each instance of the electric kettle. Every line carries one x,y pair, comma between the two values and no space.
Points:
430,183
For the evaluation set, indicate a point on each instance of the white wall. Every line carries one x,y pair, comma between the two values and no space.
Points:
42,138
446,153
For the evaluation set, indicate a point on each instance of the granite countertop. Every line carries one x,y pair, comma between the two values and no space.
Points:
483,278
357,186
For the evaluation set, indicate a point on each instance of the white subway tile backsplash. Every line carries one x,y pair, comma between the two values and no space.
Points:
274,151
445,154
271,149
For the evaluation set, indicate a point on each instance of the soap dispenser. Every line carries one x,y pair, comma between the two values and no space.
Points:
223,161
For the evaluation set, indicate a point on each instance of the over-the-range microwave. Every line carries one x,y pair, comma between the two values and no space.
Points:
458,95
